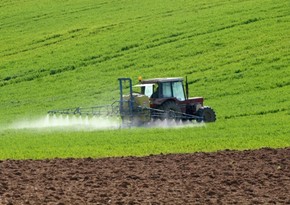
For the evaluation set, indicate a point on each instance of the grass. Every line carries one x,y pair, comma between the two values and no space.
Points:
227,134
67,54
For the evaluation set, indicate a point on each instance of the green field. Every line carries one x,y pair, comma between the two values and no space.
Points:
59,54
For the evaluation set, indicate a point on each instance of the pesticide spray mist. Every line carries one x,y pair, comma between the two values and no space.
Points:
67,123
86,123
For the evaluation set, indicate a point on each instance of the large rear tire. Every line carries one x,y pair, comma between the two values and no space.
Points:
207,114
171,111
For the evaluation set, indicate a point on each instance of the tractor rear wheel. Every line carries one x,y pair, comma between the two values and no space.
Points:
171,111
207,114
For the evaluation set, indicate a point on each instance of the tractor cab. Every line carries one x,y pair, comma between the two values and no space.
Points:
169,88
163,89
171,96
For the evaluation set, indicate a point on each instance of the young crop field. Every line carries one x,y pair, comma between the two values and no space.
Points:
61,54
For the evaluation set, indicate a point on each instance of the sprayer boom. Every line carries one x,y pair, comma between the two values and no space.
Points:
99,111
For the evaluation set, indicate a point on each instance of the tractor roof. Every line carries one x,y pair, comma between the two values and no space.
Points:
162,80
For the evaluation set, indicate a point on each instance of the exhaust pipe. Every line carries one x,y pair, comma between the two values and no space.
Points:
186,88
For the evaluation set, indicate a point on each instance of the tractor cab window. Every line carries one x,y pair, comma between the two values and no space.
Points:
146,89
156,91
178,92
166,90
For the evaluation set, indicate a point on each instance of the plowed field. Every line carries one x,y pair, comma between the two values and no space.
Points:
225,177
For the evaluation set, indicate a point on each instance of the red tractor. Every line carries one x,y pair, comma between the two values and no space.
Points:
163,98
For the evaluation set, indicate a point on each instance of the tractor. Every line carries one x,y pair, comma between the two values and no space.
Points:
162,98
155,99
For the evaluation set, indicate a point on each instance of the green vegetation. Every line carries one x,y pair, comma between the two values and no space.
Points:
59,54
226,134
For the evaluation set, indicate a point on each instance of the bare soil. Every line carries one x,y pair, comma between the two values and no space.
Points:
225,177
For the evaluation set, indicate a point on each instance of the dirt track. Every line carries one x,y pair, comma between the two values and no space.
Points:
228,177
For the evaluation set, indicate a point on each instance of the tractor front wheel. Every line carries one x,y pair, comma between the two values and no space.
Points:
207,114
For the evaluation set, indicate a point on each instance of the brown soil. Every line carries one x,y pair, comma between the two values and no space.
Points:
226,177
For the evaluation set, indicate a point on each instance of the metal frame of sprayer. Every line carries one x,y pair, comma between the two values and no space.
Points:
111,110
